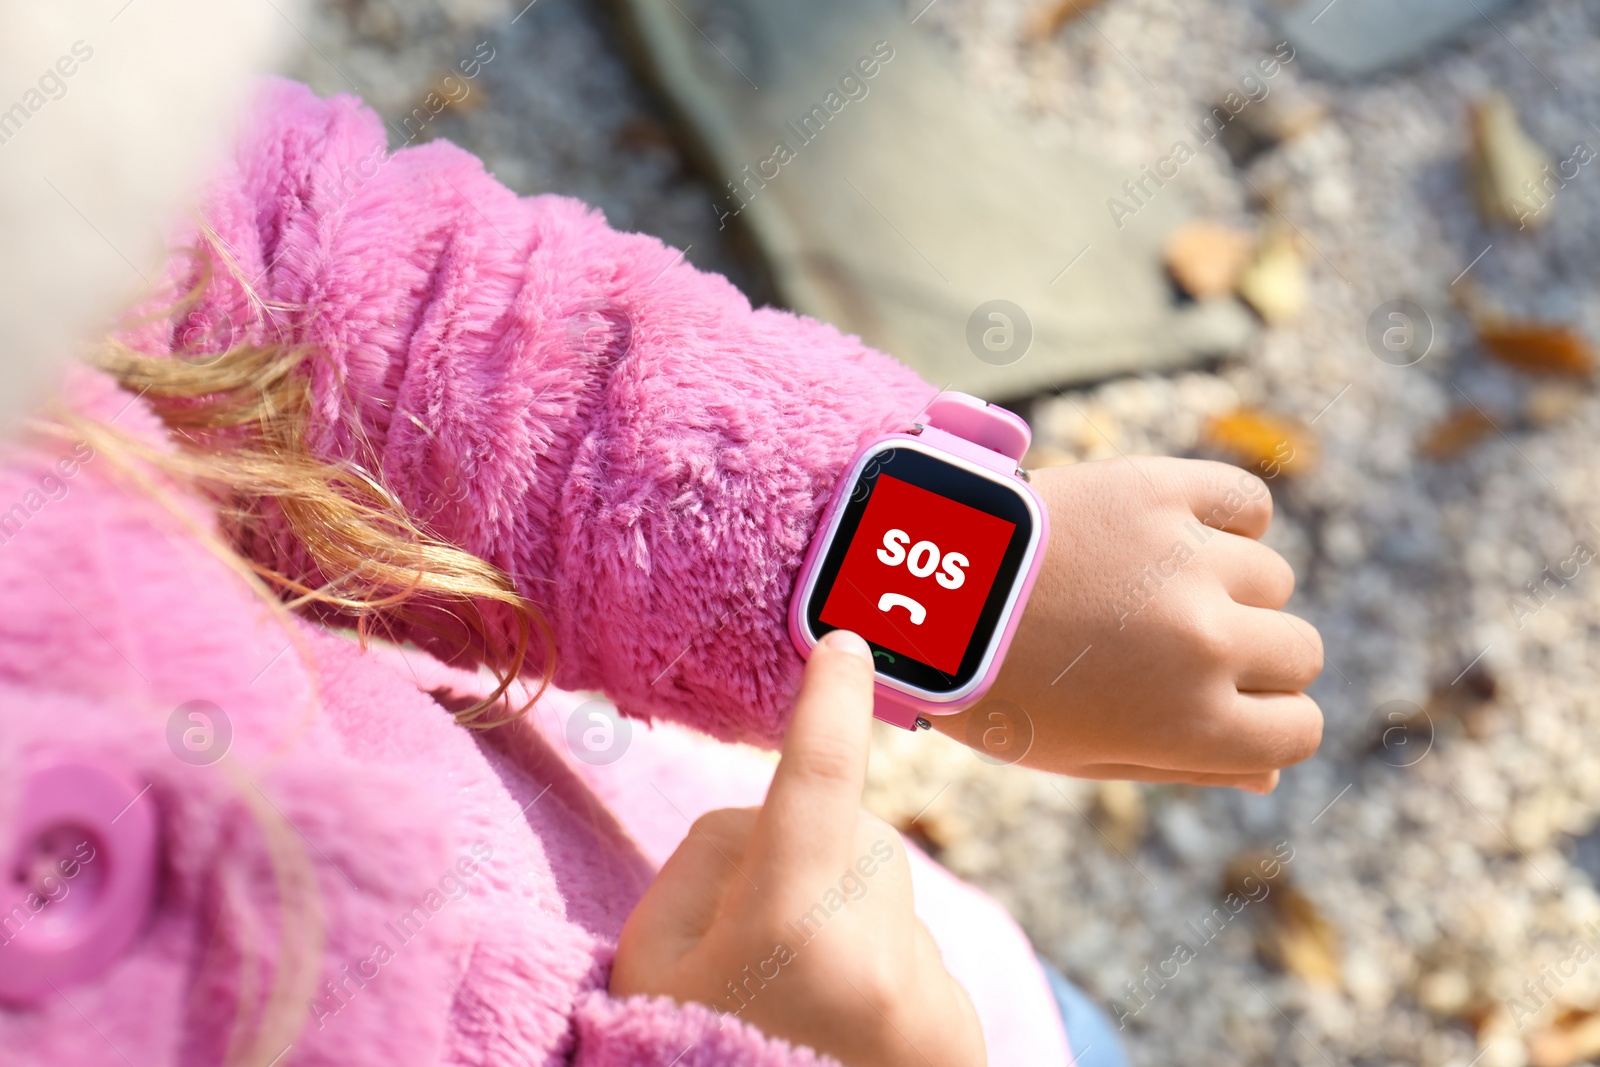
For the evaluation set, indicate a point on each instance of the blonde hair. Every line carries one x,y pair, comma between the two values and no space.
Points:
241,419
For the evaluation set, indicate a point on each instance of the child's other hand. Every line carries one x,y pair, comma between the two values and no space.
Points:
1152,647
797,915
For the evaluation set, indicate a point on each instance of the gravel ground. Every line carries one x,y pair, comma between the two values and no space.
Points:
553,108
1448,854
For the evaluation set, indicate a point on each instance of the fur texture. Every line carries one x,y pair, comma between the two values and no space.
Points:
463,893
461,902
642,451
410,893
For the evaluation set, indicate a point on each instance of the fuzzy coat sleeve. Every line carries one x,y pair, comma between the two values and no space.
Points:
656,1032
642,451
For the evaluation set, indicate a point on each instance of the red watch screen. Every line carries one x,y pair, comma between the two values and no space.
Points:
918,573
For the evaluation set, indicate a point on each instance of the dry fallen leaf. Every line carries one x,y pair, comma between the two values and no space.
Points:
1573,1037
459,94
1291,120
1546,405
1247,870
1123,816
1453,435
1275,281
1292,935
1469,698
931,831
1298,939
1206,258
641,134
1047,17
1267,445
1266,124
1504,159
1475,685
1485,1018
1538,347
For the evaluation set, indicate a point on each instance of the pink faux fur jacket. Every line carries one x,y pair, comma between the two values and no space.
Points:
641,450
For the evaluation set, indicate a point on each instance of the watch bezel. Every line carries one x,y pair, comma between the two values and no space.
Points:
998,608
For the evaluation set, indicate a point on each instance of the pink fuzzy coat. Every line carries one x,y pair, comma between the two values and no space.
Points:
641,450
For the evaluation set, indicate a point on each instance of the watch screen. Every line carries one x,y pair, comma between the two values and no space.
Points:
922,565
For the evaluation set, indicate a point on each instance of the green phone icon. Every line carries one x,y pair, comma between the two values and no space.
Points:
884,654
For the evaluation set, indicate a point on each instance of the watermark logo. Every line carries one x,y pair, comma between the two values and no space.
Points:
46,877
52,85
199,733
1252,89
357,174
852,886
1550,583
999,732
1403,732
869,474
599,332
597,734
1254,886
1400,333
999,332
453,885
853,86
201,335
51,487
1542,194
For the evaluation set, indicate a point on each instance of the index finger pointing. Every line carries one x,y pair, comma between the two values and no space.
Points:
810,813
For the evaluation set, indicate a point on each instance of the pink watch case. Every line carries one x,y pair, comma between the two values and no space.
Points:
980,437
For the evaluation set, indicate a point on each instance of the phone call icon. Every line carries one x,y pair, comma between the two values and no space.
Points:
898,600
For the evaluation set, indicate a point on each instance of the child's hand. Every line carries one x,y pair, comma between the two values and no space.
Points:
796,916
1152,647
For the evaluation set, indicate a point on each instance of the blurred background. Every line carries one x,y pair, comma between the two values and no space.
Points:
1351,245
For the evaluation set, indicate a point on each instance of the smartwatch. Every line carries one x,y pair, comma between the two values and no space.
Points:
928,549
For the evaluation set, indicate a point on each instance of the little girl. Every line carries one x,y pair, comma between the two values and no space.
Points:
414,403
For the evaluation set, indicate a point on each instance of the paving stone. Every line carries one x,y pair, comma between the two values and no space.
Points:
1359,38
891,202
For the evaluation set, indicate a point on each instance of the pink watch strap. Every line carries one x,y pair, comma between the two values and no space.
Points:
992,429
887,705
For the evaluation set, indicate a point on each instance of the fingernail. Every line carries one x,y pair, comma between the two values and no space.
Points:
850,642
